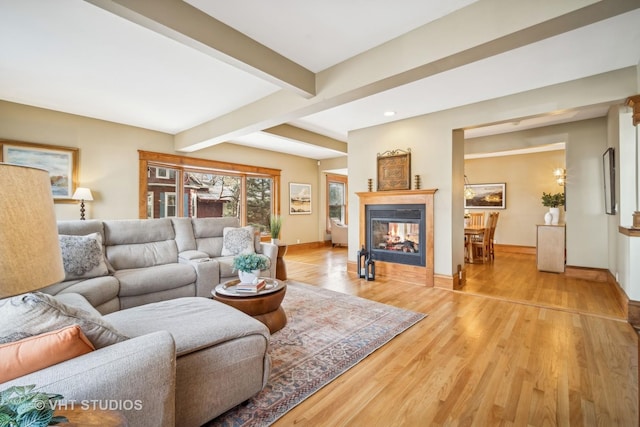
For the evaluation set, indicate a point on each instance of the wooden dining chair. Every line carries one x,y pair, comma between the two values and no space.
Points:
492,232
482,248
477,219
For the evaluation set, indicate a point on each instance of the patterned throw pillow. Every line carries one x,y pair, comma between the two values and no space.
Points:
82,256
238,240
35,313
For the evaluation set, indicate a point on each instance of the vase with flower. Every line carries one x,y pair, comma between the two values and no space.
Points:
553,202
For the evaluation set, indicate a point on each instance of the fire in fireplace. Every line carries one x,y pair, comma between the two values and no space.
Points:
396,233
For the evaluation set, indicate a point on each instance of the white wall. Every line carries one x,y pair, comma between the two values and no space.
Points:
526,176
109,163
430,138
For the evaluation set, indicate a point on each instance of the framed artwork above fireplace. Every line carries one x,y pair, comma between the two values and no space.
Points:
394,170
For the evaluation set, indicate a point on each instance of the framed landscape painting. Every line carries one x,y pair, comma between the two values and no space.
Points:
299,199
60,162
487,196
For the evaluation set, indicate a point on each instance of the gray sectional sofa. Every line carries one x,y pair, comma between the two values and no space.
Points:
188,358
155,260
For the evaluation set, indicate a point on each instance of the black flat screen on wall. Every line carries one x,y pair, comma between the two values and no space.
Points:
608,170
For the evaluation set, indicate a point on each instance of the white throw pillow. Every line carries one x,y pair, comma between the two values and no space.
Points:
36,313
238,240
82,256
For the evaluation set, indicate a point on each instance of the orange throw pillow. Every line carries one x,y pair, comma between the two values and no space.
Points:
41,351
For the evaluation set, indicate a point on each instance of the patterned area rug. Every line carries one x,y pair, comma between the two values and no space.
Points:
327,333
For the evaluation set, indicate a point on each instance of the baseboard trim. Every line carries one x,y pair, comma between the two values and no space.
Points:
587,273
633,316
452,283
515,249
309,245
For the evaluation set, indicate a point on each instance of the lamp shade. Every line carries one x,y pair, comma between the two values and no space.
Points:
30,256
82,193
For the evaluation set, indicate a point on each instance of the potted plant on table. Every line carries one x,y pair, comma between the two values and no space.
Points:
275,225
553,202
249,266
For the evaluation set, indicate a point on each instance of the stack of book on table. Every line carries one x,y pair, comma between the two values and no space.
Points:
251,288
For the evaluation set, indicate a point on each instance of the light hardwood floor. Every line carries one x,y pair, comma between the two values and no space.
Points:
516,347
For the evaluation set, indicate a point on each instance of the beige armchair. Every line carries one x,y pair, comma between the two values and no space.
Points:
339,232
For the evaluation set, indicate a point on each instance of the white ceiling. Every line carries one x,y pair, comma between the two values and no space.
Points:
78,57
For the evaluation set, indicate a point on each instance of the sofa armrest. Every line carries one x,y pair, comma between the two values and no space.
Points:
207,274
191,255
271,251
136,377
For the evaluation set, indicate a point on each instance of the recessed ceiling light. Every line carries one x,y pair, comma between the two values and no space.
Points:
389,113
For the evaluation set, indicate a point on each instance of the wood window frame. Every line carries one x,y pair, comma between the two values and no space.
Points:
344,180
184,162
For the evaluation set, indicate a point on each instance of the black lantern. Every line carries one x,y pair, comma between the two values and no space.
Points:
370,268
362,260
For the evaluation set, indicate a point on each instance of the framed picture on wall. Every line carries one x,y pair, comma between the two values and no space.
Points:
60,162
487,196
299,199
394,170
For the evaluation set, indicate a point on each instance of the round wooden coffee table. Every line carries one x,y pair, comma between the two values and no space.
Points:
263,306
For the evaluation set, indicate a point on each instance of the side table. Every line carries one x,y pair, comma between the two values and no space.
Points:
281,267
263,306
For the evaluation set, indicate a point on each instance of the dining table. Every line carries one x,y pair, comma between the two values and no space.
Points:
472,233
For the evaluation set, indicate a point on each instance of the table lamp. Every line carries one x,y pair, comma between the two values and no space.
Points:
82,194
30,256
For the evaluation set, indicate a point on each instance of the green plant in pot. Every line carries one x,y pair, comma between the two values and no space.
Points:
21,406
249,266
275,225
553,202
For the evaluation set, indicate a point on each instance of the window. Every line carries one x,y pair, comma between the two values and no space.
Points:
336,198
259,205
161,192
164,173
211,195
190,187
150,204
168,204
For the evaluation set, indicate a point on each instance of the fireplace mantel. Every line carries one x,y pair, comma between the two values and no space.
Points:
414,274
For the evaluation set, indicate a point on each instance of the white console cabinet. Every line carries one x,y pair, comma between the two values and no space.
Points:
550,248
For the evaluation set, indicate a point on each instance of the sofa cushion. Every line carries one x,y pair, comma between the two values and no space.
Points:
78,301
140,281
41,351
82,256
184,234
194,322
149,254
36,313
238,240
226,266
140,243
97,290
80,228
212,227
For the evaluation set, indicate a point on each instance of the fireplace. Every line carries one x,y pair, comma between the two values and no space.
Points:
397,226
396,233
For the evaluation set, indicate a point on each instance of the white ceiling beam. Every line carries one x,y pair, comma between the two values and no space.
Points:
186,24
297,134
481,30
